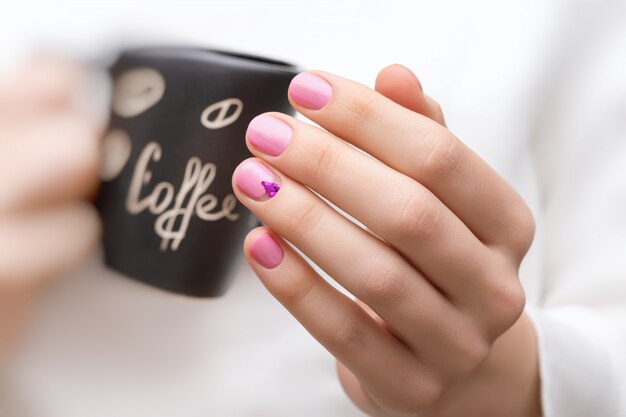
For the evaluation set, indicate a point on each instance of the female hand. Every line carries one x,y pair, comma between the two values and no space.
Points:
436,273
48,165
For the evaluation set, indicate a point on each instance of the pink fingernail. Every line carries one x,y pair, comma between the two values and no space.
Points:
310,91
256,181
266,251
268,134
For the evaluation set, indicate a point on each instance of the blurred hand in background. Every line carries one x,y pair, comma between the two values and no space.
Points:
49,147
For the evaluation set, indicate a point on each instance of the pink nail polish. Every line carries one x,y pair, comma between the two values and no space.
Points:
256,181
268,134
310,91
266,251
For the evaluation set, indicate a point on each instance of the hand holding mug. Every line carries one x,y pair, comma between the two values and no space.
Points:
439,303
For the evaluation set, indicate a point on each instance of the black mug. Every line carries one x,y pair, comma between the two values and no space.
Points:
176,134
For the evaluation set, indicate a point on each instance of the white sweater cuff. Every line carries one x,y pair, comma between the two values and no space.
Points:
579,366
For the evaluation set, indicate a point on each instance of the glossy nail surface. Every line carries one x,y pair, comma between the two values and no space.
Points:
266,251
269,134
310,90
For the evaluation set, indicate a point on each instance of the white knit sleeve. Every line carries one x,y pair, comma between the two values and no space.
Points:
581,365
581,156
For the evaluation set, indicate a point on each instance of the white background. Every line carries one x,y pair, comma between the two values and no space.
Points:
104,346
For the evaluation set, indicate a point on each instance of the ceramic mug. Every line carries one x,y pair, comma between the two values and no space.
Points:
176,134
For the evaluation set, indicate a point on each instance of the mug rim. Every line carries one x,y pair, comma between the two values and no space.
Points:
239,56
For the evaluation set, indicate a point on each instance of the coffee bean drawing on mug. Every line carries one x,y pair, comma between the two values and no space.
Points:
135,92
221,120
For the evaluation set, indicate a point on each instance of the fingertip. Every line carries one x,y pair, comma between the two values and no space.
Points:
400,85
393,74
411,74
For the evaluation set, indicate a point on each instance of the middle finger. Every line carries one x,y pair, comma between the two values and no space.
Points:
364,265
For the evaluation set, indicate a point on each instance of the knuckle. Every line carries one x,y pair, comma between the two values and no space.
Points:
443,155
294,291
524,227
320,161
471,352
507,301
418,217
467,346
513,301
305,218
362,110
349,335
384,282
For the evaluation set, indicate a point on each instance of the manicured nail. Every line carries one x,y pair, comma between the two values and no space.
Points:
310,91
266,251
256,181
268,134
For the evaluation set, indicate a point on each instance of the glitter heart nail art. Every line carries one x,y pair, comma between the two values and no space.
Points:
271,188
